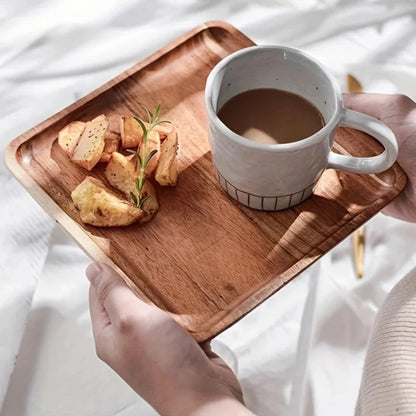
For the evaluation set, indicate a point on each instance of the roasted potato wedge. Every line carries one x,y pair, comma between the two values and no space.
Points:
112,138
150,207
110,135
90,146
99,206
68,137
110,145
153,143
164,129
131,132
167,169
121,173
114,124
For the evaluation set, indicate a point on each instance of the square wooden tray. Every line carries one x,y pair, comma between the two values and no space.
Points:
204,258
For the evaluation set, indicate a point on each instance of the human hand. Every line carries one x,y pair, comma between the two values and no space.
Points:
399,113
155,356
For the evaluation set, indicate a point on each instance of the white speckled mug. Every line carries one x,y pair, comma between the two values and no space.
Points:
272,177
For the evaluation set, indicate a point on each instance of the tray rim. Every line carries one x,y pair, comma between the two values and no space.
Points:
46,202
84,239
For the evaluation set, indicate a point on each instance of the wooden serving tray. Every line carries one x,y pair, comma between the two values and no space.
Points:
204,258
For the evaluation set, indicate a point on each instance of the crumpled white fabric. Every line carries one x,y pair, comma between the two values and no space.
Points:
300,352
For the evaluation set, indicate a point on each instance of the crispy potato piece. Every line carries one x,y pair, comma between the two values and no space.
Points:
90,146
114,124
153,143
150,207
110,145
131,132
99,206
167,169
105,157
164,129
68,137
121,173
110,135
112,138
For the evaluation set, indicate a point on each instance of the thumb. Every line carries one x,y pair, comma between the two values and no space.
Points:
111,292
366,103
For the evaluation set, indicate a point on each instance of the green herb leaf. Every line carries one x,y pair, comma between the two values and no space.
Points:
162,121
142,176
140,181
137,154
149,156
156,115
144,129
149,115
139,184
140,159
134,198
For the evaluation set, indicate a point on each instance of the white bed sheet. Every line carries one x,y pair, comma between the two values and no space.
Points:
299,353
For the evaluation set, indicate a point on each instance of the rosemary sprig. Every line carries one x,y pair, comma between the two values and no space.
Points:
153,121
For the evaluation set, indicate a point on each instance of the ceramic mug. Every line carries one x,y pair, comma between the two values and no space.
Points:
272,177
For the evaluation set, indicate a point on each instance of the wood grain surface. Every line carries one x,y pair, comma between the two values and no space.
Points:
205,259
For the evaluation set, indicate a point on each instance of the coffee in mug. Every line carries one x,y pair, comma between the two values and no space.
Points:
271,116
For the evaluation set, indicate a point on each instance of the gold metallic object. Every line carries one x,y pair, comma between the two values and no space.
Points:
353,85
359,245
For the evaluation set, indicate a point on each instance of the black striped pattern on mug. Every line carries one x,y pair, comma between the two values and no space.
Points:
266,203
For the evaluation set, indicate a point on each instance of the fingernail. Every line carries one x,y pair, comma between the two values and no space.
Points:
93,271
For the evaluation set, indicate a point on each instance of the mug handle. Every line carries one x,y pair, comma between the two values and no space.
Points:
374,128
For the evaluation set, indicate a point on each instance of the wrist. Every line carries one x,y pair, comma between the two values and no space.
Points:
226,405
209,404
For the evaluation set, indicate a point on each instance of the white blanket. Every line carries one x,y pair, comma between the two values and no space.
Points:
301,352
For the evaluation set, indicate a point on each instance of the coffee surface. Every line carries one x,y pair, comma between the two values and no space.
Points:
271,116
